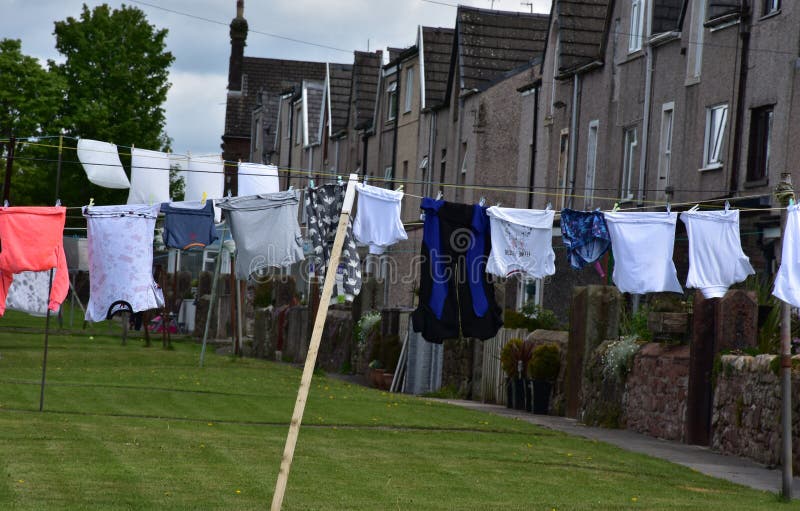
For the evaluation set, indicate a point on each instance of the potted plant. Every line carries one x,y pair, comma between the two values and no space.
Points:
514,359
543,368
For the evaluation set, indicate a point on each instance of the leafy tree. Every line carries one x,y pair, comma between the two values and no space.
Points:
30,98
115,74
29,95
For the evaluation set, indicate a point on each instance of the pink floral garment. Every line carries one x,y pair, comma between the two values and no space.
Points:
121,260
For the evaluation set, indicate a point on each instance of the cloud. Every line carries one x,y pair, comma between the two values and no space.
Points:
196,111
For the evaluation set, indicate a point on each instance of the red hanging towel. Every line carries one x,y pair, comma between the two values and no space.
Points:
32,240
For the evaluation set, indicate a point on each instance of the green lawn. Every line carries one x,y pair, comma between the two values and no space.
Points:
128,427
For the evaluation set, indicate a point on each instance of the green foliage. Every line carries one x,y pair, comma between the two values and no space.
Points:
618,357
29,94
545,362
446,392
635,324
532,317
769,330
365,325
263,294
515,355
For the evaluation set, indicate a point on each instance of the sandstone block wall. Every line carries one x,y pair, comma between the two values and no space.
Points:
654,401
746,418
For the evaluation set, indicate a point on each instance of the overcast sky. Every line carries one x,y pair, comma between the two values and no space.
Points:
196,103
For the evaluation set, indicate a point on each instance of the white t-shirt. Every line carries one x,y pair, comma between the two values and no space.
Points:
642,243
716,259
522,241
377,222
787,282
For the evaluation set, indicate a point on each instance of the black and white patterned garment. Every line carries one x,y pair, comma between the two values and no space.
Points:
323,208
30,292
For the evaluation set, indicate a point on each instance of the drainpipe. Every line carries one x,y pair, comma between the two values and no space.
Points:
365,138
648,84
534,135
391,185
573,135
744,34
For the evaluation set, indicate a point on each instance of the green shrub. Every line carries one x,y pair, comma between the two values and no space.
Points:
545,362
531,317
635,324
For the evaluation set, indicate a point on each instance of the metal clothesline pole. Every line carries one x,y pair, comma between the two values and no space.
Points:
313,347
46,339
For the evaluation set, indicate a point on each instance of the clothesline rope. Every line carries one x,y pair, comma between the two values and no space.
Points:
312,174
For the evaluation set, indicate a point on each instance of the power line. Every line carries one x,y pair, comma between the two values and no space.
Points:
223,23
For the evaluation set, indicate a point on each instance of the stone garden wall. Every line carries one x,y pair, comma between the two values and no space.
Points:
654,401
746,418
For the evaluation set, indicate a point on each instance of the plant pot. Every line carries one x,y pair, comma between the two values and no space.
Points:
519,394
386,384
528,395
541,396
376,377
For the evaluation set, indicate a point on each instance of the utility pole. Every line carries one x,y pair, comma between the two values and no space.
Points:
529,4
12,142
784,193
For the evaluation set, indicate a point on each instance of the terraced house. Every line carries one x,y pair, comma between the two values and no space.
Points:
636,102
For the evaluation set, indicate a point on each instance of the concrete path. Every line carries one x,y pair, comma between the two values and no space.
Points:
701,459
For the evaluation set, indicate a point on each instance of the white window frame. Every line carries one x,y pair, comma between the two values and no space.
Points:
630,141
665,144
464,159
522,294
636,26
391,97
387,173
591,163
716,121
771,6
298,136
409,96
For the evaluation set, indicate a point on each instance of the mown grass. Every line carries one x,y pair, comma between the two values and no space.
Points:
130,428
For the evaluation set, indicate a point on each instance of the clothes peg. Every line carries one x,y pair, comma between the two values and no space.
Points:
91,201
5,203
498,204
482,202
615,208
311,183
339,180
399,188
694,208
58,202
203,199
439,195
291,187
549,206
728,205
668,208
791,201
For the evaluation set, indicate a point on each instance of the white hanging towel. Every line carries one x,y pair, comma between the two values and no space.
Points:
255,179
149,177
101,163
522,241
206,175
30,292
642,243
787,282
716,259
377,222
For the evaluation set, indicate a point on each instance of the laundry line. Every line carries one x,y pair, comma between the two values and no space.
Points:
302,174
310,175
301,171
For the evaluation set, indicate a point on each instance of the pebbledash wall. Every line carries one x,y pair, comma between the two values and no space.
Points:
746,418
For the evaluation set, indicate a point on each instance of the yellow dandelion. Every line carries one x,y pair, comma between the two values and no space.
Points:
238,492
210,423
21,481
634,499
